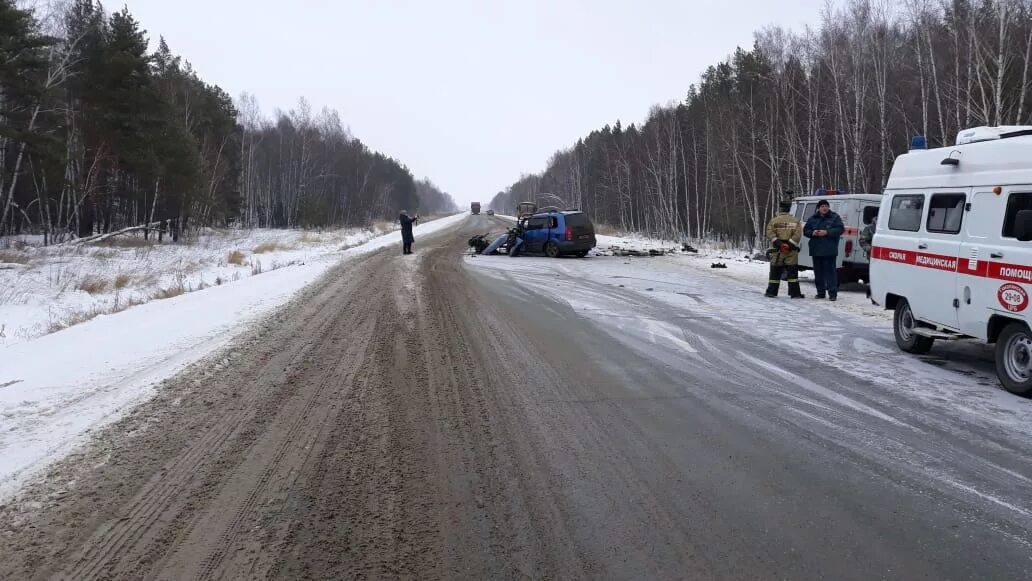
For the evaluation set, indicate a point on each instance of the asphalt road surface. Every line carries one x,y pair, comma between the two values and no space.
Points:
426,417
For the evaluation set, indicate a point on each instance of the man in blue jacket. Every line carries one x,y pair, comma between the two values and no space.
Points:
824,230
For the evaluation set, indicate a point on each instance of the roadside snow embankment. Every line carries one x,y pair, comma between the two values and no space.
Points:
56,388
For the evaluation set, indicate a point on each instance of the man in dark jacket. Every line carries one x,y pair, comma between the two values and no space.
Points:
406,231
824,230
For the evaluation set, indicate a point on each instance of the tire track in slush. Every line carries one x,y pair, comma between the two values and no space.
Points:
370,484
210,552
341,375
117,538
157,497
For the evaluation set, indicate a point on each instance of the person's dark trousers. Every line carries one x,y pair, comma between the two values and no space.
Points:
825,275
774,281
793,281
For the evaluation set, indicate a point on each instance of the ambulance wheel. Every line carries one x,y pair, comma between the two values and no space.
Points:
903,325
1014,359
552,250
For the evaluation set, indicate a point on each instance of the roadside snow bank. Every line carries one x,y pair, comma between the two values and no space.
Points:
56,389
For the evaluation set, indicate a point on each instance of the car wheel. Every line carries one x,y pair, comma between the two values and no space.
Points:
1014,359
552,250
903,325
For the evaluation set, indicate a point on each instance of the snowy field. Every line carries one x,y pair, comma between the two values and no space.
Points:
46,289
56,387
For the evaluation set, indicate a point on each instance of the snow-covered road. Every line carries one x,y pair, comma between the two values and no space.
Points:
826,377
442,415
641,300
56,389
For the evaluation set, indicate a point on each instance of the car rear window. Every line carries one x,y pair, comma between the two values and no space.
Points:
578,220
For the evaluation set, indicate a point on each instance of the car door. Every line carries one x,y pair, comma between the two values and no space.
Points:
938,253
868,214
842,208
553,229
1009,276
803,213
536,233
982,234
896,251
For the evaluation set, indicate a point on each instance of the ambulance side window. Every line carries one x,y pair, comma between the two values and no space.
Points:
945,213
1015,204
906,213
810,210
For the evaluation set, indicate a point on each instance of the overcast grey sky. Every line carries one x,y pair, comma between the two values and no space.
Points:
468,93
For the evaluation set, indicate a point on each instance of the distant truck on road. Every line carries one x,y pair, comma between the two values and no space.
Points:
474,207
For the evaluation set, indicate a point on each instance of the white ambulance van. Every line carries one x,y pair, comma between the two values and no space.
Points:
856,211
953,250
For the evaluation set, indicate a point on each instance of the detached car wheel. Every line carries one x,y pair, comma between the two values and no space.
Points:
552,250
903,325
1014,359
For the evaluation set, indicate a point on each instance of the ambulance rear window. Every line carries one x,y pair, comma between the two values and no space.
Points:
945,213
1015,204
906,212
870,213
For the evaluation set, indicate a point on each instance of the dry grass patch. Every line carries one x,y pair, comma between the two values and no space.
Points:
265,247
122,281
73,319
14,257
90,314
236,257
167,293
93,284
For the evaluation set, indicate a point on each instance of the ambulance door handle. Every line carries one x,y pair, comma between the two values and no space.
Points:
922,246
996,255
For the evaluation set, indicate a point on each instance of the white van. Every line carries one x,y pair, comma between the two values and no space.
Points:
857,211
953,251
